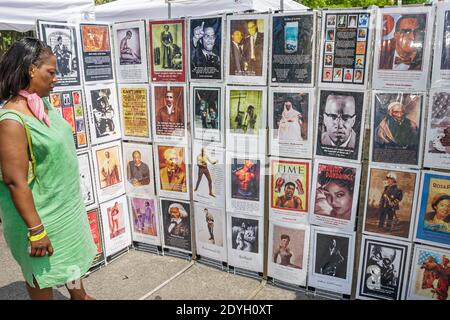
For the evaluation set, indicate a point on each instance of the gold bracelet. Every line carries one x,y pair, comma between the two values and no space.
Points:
38,236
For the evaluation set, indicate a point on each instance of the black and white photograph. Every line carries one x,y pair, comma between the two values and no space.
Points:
87,179
176,224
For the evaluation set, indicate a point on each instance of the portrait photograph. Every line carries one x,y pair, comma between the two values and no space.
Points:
95,224
138,161
135,113
210,225
144,219
176,224
87,179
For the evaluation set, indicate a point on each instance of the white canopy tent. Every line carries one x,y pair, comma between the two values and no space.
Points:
21,15
125,10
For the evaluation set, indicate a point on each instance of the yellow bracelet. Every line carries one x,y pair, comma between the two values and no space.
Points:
38,236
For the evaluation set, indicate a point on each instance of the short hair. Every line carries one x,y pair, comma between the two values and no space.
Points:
285,236
346,183
129,33
169,91
406,16
136,152
289,184
59,38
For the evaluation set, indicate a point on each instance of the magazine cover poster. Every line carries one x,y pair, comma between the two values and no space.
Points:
206,48
144,220
441,61
288,252
340,124
397,128
87,179
131,52
292,59
135,112
331,260
289,189
62,38
176,224
291,122
247,49
383,268
437,143
138,161
97,234
116,223
96,46
433,221
245,242
335,195
390,207
210,236
429,274
167,51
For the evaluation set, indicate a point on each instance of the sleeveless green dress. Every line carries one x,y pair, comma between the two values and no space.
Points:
59,203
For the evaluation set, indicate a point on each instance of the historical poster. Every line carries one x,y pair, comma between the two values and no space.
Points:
292,60
291,122
247,46
288,252
397,125
390,207
206,48
97,235
441,59
144,219
340,124
167,50
176,224
331,260
138,165
87,179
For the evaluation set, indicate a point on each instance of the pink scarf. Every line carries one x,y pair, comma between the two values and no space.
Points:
36,106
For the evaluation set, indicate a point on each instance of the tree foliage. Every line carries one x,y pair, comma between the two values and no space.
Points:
98,2
354,3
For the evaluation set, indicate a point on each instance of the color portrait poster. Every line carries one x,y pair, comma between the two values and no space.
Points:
397,125
96,46
289,189
138,165
288,252
433,221
340,125
335,194
206,48
144,220
63,39
94,219
134,106
176,224
441,61
291,122
293,44
390,208
167,50
346,48
130,52
247,47
437,143
402,48
87,179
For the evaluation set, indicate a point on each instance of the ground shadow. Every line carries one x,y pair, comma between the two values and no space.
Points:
17,291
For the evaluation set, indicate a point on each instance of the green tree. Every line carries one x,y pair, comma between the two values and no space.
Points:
98,2
354,3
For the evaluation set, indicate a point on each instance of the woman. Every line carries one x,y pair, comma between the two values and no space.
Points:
50,208
290,124
439,218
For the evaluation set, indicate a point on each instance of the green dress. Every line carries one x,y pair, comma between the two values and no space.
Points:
59,203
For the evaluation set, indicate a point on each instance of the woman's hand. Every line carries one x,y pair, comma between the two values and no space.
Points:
41,247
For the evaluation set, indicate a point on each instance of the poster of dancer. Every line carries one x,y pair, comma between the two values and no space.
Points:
135,113
176,224
144,220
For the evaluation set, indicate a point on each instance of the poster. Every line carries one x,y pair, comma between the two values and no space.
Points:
345,54
138,167
167,50
144,219
247,45
289,189
135,113
292,60
104,116
433,220
245,241
390,207
62,38
291,122
87,179
246,119
437,143
97,235
70,104
171,170
402,48
288,252
130,52
335,194
210,232
429,274
397,122
245,175
96,46
383,269
331,260
169,112
441,58
208,174
176,224
340,124
116,225
206,48
108,168
207,113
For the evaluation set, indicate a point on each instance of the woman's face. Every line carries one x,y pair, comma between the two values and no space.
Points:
442,209
339,198
43,78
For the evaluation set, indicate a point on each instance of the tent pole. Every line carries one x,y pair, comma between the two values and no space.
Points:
169,9
281,5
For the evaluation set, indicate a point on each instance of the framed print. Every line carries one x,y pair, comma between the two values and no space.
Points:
144,220
87,179
176,224
441,60
138,164
97,235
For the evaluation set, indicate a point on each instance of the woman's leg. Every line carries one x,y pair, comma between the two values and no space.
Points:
77,291
39,294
